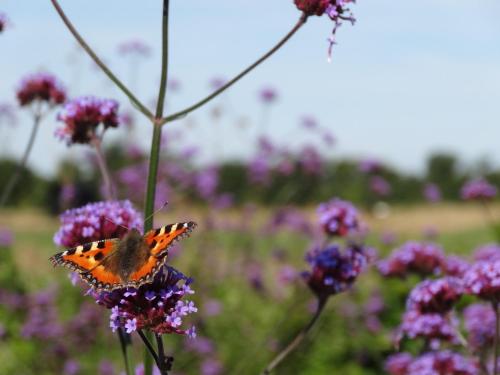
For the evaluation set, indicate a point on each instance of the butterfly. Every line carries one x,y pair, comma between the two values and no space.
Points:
117,263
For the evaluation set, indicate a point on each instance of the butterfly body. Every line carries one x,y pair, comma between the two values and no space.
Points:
128,262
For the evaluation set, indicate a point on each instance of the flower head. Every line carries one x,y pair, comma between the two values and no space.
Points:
6,237
268,95
489,252
338,217
40,87
334,270
134,47
479,321
478,189
435,296
380,186
96,221
159,306
3,21
82,117
455,266
443,363
421,258
482,279
432,193
431,326
397,364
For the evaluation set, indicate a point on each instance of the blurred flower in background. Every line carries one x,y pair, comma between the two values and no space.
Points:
42,88
478,189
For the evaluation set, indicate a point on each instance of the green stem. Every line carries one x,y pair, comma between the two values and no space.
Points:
123,344
216,93
141,107
154,157
17,174
297,340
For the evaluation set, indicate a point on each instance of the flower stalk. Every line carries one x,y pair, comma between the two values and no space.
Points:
9,187
298,339
123,344
109,190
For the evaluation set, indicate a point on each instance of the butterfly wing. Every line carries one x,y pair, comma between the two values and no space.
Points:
159,242
85,257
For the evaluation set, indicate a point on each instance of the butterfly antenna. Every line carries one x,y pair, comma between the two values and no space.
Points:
120,225
158,210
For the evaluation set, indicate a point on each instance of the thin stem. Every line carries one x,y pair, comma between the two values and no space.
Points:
141,107
164,361
297,340
37,118
268,54
123,344
154,157
109,190
148,345
497,338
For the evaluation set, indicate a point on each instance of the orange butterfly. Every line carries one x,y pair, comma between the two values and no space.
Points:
128,262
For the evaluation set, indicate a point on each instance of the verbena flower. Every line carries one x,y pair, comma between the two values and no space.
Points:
40,87
370,166
83,116
482,279
211,366
3,22
431,326
489,252
159,306
333,270
420,258
455,266
478,189
268,95
479,322
432,193
134,47
435,296
443,363
42,319
397,364
310,161
380,186
336,10
338,217
97,221
6,237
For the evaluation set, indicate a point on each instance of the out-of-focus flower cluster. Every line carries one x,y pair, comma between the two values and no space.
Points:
3,21
134,47
40,87
338,217
97,221
82,117
478,189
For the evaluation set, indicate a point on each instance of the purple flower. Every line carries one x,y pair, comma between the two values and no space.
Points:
106,368
431,326
211,366
421,258
163,314
4,21
397,364
380,186
217,82
289,218
259,170
42,319
97,221
212,307
134,47
6,237
455,266
482,279
310,161
479,321
334,270
268,95
489,252
478,189
41,87
206,182
435,296
309,122
71,367
83,116
370,166
432,192
388,238
200,345
443,363
338,217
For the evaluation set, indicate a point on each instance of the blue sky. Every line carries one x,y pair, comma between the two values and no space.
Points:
411,77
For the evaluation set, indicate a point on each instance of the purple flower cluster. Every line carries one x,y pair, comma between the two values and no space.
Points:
82,117
432,193
134,47
338,217
334,270
397,364
158,306
431,326
40,87
268,95
435,296
370,166
478,189
420,258
489,252
479,321
97,221
6,237
482,279
380,186
443,363
3,21
455,266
